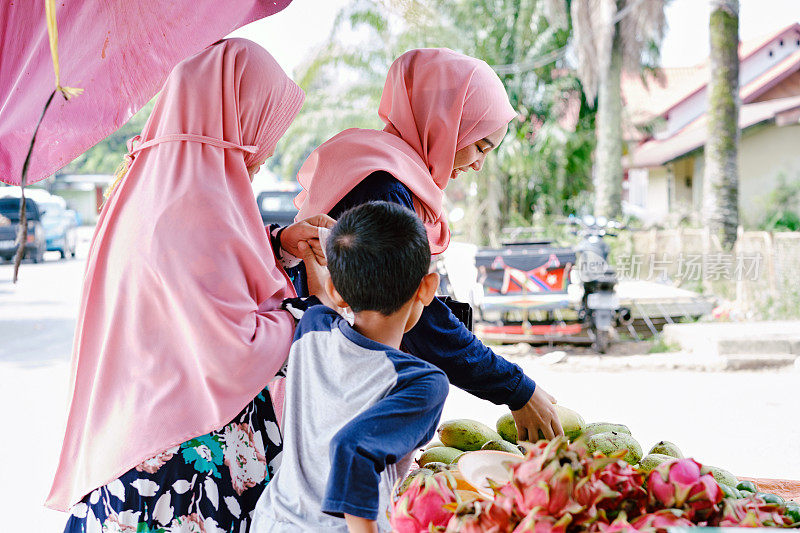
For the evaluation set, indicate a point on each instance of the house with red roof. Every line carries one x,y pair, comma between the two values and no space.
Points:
666,130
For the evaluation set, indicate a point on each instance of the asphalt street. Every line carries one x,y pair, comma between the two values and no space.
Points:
746,422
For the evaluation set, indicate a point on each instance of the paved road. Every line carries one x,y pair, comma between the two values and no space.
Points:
745,422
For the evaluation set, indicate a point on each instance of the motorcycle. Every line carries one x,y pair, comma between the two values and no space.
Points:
593,280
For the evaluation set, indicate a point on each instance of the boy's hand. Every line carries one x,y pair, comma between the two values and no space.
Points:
306,231
316,274
356,524
537,414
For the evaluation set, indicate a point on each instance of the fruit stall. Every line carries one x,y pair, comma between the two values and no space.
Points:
594,478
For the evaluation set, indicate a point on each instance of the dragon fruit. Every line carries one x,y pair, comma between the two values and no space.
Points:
617,526
539,521
428,501
480,517
752,512
684,484
545,480
659,521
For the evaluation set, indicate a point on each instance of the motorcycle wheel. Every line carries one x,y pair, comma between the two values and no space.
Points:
601,340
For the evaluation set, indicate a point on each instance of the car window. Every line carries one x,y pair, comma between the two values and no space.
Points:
278,202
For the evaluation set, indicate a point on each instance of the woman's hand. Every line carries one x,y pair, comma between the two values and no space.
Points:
537,414
306,231
316,274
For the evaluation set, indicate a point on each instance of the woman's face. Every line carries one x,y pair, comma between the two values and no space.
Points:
472,156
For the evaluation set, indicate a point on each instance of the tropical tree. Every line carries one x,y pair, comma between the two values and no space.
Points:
607,37
105,156
721,177
545,162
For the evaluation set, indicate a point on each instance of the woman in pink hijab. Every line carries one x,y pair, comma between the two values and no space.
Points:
444,112
171,425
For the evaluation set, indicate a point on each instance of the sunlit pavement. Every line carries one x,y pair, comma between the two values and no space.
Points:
745,422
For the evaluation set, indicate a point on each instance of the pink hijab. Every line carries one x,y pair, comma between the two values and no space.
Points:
178,327
434,102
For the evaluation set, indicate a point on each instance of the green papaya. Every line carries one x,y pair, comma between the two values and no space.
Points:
466,435
652,460
665,447
747,485
439,454
501,445
594,428
507,428
722,476
611,441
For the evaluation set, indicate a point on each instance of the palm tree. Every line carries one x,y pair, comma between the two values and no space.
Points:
543,165
721,177
609,35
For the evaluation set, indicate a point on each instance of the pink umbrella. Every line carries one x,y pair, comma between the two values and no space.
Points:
119,52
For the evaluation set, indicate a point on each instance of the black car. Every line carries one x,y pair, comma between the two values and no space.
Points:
9,224
277,207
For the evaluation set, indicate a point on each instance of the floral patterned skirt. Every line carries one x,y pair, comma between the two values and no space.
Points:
209,484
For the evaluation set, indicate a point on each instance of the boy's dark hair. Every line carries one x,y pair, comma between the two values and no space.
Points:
378,253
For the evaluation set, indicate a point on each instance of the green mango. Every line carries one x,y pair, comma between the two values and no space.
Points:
594,428
745,493
457,457
652,460
437,466
793,512
665,447
571,423
730,492
507,428
611,441
433,444
747,485
722,476
439,454
771,498
501,445
466,435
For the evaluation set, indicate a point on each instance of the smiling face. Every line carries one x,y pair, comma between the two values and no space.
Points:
472,156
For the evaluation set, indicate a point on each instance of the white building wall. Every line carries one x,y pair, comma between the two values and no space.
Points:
752,67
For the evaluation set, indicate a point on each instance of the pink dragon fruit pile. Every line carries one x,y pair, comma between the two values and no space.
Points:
562,488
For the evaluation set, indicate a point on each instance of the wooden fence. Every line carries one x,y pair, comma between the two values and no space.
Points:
761,274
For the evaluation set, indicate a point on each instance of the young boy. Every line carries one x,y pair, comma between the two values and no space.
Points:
356,406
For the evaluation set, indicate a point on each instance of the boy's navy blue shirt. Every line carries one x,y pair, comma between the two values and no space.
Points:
439,337
355,412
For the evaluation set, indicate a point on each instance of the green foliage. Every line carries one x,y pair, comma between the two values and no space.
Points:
661,346
105,156
782,205
544,163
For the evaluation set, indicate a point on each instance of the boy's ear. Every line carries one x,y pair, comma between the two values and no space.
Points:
427,288
333,294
